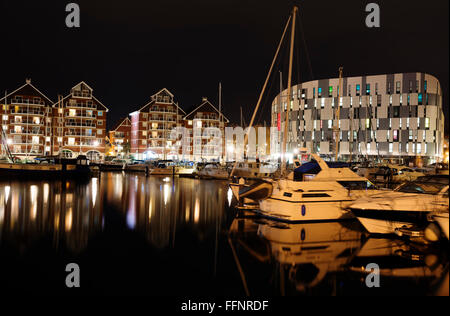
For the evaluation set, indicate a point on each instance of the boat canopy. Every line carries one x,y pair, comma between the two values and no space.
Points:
313,167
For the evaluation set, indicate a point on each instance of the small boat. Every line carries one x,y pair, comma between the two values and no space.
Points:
316,191
185,169
405,210
48,168
163,168
117,164
213,171
394,174
137,166
254,170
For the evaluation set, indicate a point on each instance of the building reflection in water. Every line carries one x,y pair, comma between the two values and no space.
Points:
66,210
325,258
158,206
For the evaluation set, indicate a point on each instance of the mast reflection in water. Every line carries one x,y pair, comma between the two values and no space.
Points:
132,234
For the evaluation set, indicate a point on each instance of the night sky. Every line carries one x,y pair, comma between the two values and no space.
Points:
128,50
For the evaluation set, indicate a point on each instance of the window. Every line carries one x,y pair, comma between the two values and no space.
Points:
397,87
427,123
100,113
314,93
367,123
395,135
376,88
314,195
420,98
322,103
72,112
419,148
410,135
391,147
367,89
5,117
71,141
349,90
425,86
358,89
330,123
319,92
330,91
100,122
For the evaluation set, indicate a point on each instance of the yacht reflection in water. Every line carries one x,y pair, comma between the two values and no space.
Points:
326,259
158,206
65,210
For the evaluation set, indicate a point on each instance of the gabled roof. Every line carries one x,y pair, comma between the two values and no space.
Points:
163,90
82,83
153,100
70,94
125,120
206,106
25,87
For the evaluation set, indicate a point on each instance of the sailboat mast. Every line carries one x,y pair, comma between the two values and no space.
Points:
289,92
220,123
338,110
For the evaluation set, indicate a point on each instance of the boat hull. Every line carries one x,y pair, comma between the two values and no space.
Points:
24,171
288,211
389,221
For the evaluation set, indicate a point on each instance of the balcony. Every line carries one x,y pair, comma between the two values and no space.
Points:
81,105
80,134
27,112
80,124
28,102
82,94
161,110
159,119
86,116
23,131
25,122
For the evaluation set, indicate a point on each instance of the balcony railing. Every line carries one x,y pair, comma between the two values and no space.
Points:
27,101
80,134
80,105
162,110
31,132
82,94
92,116
27,112
77,124
24,122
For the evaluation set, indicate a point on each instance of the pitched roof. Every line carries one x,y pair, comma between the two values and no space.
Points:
205,106
70,94
27,88
121,122
153,100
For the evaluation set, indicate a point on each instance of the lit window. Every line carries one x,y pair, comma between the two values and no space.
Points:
330,123
72,112
420,98
330,91
358,89
419,148
71,141
367,89
427,122
391,147
100,113
5,117
367,123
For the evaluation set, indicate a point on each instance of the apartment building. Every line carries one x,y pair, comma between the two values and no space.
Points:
120,138
26,121
79,124
397,116
151,127
205,137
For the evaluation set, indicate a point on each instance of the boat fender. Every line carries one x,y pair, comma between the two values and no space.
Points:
432,233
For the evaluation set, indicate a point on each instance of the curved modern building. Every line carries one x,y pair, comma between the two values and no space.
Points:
386,116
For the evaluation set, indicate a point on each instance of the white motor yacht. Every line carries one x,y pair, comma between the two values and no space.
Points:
213,171
316,191
404,209
163,168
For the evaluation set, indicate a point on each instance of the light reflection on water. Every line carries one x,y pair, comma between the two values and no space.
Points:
156,206
330,259
247,255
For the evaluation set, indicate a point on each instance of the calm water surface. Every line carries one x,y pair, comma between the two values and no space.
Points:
132,234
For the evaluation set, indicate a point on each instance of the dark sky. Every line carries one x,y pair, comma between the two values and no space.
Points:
128,50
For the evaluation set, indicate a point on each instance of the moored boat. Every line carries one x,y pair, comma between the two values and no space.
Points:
405,210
